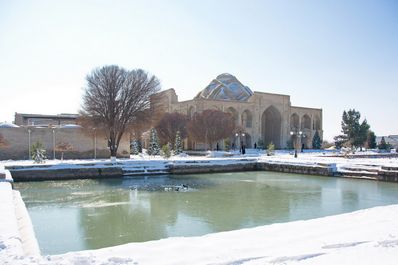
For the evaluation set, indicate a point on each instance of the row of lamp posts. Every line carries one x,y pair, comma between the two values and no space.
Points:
297,137
240,136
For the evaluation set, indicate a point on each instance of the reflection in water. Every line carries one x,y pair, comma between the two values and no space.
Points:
89,214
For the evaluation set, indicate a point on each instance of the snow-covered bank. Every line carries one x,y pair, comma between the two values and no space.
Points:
306,158
364,237
312,163
10,240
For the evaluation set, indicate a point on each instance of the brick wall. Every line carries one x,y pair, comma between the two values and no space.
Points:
17,140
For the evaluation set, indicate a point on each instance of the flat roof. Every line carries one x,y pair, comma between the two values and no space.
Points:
62,115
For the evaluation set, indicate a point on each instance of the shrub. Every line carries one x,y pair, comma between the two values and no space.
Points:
166,153
38,153
270,149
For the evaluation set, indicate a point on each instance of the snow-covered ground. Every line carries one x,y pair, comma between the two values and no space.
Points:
306,158
364,237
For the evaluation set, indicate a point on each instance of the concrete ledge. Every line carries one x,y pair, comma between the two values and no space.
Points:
10,238
28,238
192,169
66,173
388,174
5,176
325,170
141,168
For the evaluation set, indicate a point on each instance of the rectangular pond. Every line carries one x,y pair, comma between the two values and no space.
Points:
89,214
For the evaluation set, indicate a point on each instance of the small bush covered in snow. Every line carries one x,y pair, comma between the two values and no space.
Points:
38,153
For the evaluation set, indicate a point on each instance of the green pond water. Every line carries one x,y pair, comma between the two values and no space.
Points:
89,214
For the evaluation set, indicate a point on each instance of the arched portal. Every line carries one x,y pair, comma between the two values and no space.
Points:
247,118
271,122
247,140
294,122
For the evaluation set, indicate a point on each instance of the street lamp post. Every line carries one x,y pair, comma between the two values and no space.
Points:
54,144
297,134
95,143
29,131
238,136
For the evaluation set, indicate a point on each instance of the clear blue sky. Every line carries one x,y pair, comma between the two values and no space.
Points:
334,55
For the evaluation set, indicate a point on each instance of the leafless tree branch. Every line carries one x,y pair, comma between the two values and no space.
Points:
114,99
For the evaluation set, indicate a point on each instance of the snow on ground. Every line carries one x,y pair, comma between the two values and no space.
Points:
309,157
364,237
10,242
343,165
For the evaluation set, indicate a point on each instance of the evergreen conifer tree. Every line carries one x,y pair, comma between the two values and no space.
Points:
383,144
371,140
139,144
316,141
178,144
135,147
354,132
153,148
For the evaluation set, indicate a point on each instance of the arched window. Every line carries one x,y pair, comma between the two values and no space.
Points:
247,119
306,122
294,122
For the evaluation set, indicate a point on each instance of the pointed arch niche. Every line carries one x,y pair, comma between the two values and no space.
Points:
271,124
247,119
294,122
306,122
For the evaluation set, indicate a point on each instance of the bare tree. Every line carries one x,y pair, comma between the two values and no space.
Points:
63,147
3,142
168,126
114,98
211,126
142,123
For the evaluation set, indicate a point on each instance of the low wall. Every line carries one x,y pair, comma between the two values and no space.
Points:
16,231
106,170
82,145
389,174
192,169
325,170
379,155
28,238
65,173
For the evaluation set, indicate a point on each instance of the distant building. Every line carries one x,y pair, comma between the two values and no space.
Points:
23,119
266,116
54,130
390,139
